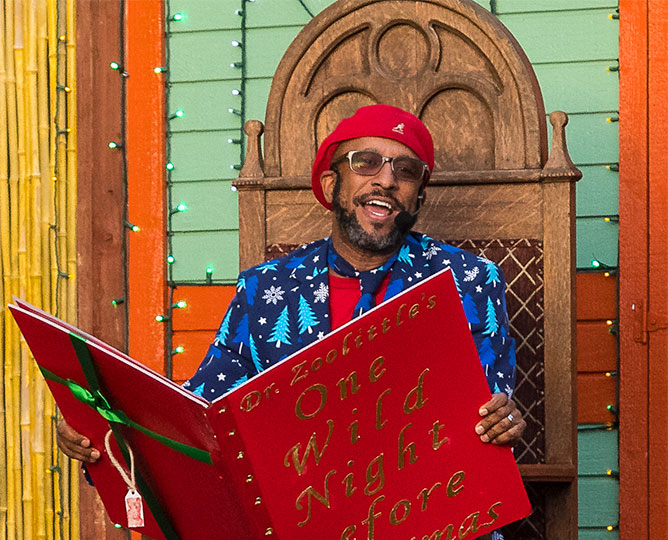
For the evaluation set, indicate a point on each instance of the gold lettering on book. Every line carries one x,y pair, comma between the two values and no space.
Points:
379,410
344,382
375,474
425,494
310,493
417,394
435,442
312,445
405,506
354,430
376,369
404,449
348,481
371,518
321,389
455,484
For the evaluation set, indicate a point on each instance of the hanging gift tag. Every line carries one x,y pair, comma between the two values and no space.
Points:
134,509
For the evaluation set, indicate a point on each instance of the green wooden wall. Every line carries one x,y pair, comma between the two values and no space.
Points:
573,46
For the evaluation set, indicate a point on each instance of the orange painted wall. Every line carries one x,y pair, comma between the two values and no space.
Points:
146,180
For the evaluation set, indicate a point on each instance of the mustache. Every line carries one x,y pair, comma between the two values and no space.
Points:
361,200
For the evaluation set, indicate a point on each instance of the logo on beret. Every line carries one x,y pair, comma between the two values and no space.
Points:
399,128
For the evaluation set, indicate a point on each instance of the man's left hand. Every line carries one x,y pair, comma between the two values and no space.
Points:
502,421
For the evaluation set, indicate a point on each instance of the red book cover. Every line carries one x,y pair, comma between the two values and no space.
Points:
367,433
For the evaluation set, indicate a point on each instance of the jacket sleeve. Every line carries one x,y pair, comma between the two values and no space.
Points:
228,361
485,309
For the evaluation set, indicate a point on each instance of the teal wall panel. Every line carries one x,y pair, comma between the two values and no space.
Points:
262,59
194,251
204,155
592,139
199,15
526,6
599,533
565,36
205,105
597,194
597,450
596,239
264,13
205,201
204,56
579,87
598,504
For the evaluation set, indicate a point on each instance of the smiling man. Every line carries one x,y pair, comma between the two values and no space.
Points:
371,171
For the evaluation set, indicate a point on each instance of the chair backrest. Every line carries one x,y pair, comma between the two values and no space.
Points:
493,191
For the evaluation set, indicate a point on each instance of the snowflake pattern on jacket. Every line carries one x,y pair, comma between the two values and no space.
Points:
282,305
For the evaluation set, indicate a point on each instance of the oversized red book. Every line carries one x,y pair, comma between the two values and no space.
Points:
367,433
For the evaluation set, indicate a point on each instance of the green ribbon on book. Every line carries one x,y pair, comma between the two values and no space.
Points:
96,401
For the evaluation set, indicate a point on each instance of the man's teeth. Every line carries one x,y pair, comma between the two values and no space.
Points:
381,203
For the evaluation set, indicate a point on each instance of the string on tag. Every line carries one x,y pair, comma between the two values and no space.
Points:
134,508
129,481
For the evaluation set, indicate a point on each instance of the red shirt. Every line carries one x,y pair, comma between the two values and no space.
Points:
344,293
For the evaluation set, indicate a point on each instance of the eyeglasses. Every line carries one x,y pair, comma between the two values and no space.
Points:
369,163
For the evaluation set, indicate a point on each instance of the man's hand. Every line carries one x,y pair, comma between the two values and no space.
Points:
74,444
502,421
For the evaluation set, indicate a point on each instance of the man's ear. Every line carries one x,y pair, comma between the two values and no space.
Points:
327,183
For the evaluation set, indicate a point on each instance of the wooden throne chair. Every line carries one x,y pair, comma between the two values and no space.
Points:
494,190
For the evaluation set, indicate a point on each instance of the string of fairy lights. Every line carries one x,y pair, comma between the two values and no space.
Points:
62,132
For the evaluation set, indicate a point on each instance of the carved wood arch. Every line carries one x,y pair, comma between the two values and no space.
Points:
493,191
452,61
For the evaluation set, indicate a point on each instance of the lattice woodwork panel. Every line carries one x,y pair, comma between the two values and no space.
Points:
522,264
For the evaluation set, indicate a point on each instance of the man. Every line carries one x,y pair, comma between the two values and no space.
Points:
371,172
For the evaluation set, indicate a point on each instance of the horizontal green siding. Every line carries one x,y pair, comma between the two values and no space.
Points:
194,252
598,492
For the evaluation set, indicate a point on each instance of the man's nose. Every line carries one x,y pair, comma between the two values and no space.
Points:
385,177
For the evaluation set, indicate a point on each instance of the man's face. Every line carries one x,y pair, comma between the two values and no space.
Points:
365,207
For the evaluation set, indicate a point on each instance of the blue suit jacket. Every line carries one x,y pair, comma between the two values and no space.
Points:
282,306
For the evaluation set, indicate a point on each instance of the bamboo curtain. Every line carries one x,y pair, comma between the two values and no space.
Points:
37,256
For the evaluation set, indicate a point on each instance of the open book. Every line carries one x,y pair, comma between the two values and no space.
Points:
366,433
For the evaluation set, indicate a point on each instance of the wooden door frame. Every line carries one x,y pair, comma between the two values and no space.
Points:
643,270
108,267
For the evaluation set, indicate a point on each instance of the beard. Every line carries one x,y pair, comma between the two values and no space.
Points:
379,244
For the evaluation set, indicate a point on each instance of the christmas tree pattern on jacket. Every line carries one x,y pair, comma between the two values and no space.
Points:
283,305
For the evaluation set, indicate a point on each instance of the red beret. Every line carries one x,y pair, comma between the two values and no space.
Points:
374,121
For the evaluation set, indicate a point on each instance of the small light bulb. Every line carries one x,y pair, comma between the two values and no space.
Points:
233,188
177,17
169,166
62,37
609,322
115,66
159,69
113,145
209,269
610,528
179,113
161,318
181,304
236,92
182,207
236,43
606,274
595,263
178,350
234,111
170,259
